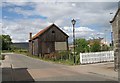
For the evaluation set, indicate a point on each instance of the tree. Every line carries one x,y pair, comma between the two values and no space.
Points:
105,47
6,42
95,47
0,42
81,45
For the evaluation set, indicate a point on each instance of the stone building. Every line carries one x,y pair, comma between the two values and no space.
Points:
48,40
116,37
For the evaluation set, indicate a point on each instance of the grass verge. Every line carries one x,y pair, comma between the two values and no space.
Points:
65,62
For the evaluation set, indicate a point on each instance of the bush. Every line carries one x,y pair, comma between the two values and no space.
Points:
95,47
20,51
77,59
5,51
64,55
61,55
24,51
2,57
51,56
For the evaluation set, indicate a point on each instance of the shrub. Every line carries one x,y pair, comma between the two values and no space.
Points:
24,51
51,56
2,57
64,54
61,55
77,59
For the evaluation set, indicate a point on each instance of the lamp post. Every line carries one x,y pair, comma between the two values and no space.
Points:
112,39
105,37
73,23
111,33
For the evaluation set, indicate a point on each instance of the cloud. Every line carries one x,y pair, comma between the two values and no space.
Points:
0,28
83,32
61,1
19,30
11,3
25,13
88,15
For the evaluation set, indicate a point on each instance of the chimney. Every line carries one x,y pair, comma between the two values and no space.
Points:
30,36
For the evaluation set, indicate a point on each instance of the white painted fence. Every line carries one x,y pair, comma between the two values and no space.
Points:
95,57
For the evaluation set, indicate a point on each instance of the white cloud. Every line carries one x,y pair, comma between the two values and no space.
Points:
82,32
20,11
87,13
9,3
19,31
61,1
73,4
60,14
0,28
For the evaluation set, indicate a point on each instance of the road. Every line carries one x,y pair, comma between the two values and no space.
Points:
25,68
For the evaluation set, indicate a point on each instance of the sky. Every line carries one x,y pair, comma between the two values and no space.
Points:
18,19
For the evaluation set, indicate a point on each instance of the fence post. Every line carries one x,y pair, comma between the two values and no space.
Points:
80,58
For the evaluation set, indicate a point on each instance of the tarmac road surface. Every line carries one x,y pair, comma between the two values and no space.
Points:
25,68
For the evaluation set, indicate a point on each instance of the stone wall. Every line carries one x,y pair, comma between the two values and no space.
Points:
116,39
119,36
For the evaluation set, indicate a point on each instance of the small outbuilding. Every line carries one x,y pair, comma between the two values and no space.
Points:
48,40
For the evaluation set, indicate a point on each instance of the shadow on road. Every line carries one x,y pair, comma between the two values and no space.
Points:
15,75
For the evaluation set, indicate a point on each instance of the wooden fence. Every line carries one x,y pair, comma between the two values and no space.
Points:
96,57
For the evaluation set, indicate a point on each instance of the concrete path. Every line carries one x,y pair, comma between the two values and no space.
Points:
102,69
25,68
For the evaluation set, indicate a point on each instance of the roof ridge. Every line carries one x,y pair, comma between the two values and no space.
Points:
42,31
115,15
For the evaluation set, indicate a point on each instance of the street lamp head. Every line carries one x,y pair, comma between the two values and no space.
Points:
73,21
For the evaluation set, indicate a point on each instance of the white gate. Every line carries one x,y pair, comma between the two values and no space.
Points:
95,57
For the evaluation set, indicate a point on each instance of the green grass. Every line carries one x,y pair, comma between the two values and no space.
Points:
6,51
24,52
2,57
65,62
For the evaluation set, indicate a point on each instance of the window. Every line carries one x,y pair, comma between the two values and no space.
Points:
53,31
